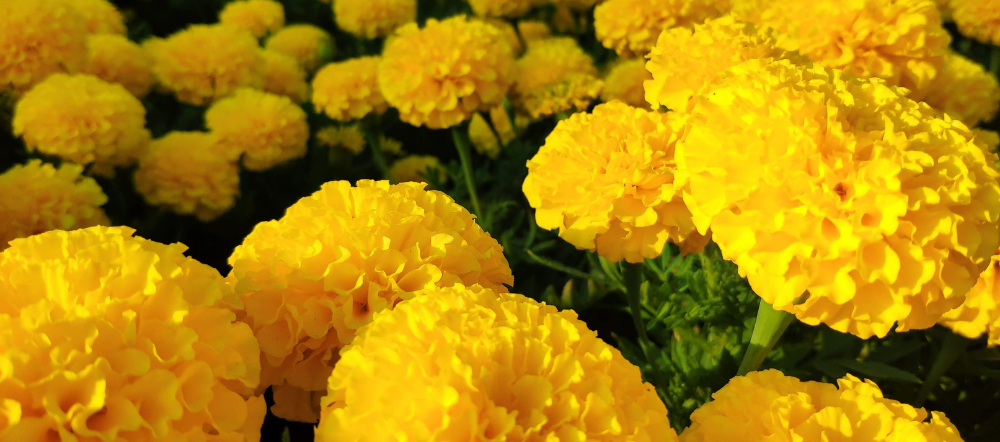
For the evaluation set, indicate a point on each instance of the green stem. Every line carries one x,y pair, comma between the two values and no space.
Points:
461,138
508,108
368,126
951,348
632,274
767,329
995,61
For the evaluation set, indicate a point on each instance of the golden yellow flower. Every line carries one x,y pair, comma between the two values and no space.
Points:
980,313
116,59
349,90
107,336
416,169
503,125
483,138
846,203
502,8
310,45
189,173
102,17
630,27
39,38
978,19
439,75
284,76
962,89
204,63
769,406
624,82
988,138
507,34
82,119
575,5
390,146
37,197
458,363
606,181
259,17
532,30
373,18
555,75
348,138
266,129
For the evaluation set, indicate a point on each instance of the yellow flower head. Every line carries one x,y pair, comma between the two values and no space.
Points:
504,127
458,363
624,82
348,138
575,5
116,59
502,8
962,89
482,137
39,38
266,129
284,76
373,18
310,45
102,17
980,314
390,146
846,203
37,197
978,19
82,119
767,406
507,34
106,336
259,17
439,75
630,27
555,75
206,62
311,278
606,181
349,90
190,174
416,169
532,30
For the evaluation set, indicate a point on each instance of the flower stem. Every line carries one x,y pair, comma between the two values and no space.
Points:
632,274
460,136
995,61
951,348
767,329
368,125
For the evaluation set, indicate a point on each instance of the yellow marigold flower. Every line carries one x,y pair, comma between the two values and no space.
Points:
373,18
988,138
107,336
348,138
102,17
312,278
39,38
190,174
502,8
606,181
439,75
390,146
310,45
459,363
259,17
416,169
624,82
504,127
532,30
116,59
483,138
575,5
82,119
977,19
847,203
206,62
630,27
349,90
980,314
963,89
767,406
266,129
284,76
555,75
507,33
37,197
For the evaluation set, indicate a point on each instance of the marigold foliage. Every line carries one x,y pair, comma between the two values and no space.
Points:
116,59
348,138
963,89
555,75
284,76
439,75
980,313
459,363
483,139
39,38
190,174
37,197
502,8
373,18
349,90
624,82
978,19
630,27
102,17
416,169
259,17
310,45
312,278
769,406
267,129
846,203
106,336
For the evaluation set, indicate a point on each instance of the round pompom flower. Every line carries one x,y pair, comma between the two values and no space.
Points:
458,364
82,119
502,8
266,129
507,34
606,181
310,45
348,90
624,82
206,62
259,17
630,27
116,59
37,197
978,19
417,169
189,173
102,17
555,75
846,203
769,406
980,313
106,336
39,38
439,75
311,278
963,89
348,138
284,76
373,18
532,30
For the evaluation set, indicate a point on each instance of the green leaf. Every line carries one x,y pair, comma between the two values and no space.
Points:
286,436
877,370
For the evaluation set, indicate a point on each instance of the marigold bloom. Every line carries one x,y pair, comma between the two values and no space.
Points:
504,127
189,173
963,89
373,18
106,336
555,75
82,119
456,362
507,34
624,82
349,90
37,197
284,76
630,27
767,406
311,278
483,138
310,45
266,129
980,313
116,59
102,17
39,38
978,19
259,17
439,75
348,138
416,169
502,8
532,30
847,203
206,62
606,181
390,146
